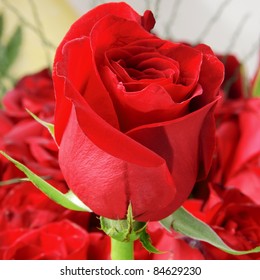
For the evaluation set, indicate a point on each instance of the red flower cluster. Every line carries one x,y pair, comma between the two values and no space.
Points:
135,117
232,206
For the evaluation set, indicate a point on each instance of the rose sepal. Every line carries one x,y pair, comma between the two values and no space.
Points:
68,200
185,223
128,230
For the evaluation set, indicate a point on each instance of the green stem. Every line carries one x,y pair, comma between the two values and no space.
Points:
122,250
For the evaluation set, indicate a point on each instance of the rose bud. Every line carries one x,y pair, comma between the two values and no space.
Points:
134,113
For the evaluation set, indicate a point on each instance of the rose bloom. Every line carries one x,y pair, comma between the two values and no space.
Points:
20,135
134,113
33,92
237,159
229,198
233,84
238,148
62,240
234,217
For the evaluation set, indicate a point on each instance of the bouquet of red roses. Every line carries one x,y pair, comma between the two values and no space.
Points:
149,143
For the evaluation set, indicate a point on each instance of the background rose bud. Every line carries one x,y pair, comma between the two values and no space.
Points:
20,135
236,220
33,92
134,113
231,205
238,146
233,216
233,84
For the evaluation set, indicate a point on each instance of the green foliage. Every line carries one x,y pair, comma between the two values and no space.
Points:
256,85
9,50
1,25
128,230
147,244
47,125
184,222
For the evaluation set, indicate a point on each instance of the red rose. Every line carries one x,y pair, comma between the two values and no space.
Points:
33,92
134,113
236,220
26,218
6,123
238,146
24,206
20,135
233,85
55,241
234,217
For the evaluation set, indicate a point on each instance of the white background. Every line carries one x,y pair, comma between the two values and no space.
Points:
213,270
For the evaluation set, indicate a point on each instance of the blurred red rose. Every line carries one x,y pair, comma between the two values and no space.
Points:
55,241
235,218
134,113
238,146
27,215
24,206
233,84
33,92
21,136
232,207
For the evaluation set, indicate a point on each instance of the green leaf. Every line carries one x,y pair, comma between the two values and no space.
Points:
9,52
49,126
68,200
184,222
146,242
3,60
13,46
1,25
256,85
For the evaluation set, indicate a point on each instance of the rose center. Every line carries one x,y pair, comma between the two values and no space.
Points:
136,70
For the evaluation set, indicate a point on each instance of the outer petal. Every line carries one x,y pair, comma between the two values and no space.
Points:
178,142
247,181
108,184
211,77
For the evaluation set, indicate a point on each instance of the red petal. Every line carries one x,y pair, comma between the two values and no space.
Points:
179,143
107,183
